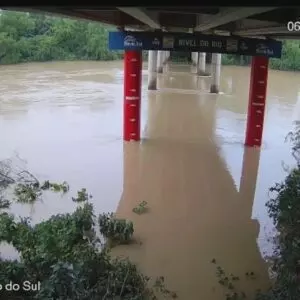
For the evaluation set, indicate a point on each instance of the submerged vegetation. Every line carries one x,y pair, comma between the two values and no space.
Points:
116,231
30,192
81,196
141,208
55,187
228,281
64,257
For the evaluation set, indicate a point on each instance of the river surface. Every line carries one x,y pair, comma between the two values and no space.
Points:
206,193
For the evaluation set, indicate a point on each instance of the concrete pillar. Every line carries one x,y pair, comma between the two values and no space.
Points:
160,60
152,65
166,56
194,58
132,94
201,66
257,101
163,57
215,72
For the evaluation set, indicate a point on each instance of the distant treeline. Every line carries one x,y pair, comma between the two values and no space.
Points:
26,37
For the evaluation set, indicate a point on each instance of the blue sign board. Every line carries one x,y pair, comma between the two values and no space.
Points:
193,42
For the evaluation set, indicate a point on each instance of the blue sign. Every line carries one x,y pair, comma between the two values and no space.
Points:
193,42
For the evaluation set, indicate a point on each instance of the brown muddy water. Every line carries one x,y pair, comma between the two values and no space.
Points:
206,193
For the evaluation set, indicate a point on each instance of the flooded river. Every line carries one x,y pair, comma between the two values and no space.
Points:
206,193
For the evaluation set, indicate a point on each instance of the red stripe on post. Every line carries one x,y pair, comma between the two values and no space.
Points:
132,95
257,101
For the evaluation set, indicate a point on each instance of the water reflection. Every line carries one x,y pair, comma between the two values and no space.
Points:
193,216
195,211
247,186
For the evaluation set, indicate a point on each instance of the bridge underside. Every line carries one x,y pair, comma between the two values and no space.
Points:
264,22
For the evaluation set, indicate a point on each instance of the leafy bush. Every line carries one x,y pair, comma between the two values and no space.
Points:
69,264
27,193
62,258
115,230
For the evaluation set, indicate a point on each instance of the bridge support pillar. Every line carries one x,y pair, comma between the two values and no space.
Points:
257,101
166,57
201,66
194,58
152,65
215,72
132,95
160,61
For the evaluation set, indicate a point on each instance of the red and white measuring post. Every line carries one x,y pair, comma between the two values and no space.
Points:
132,95
257,101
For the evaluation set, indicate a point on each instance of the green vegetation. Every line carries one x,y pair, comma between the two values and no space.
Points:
55,187
116,231
81,196
68,262
229,282
141,208
26,37
63,257
30,192
284,209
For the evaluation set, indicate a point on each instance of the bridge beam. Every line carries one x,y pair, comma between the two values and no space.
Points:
132,94
152,65
257,101
141,15
262,31
215,72
230,15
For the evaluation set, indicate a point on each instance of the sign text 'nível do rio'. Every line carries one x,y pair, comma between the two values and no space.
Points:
188,42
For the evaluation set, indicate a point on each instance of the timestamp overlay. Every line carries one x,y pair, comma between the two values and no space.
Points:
293,26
